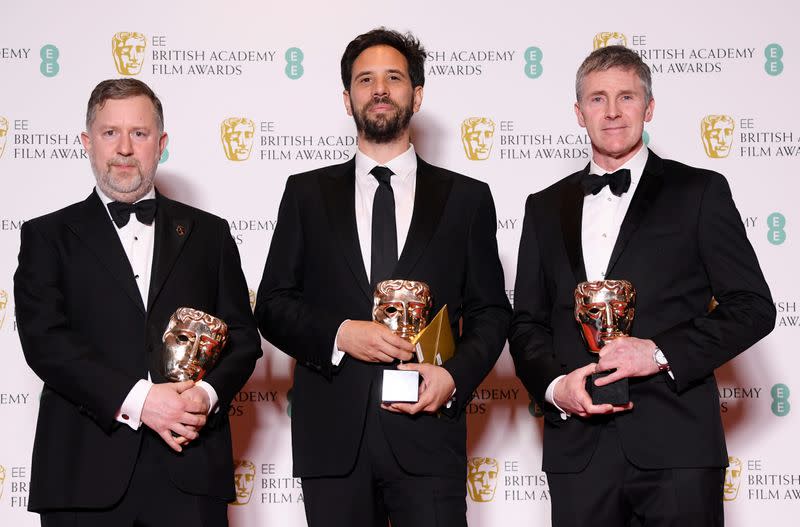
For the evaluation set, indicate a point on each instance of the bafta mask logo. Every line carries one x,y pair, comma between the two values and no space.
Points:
733,477
477,136
609,38
717,134
237,137
3,306
244,477
193,342
252,295
3,134
2,479
482,475
128,47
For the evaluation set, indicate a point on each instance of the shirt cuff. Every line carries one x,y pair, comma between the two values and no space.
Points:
337,355
213,399
549,396
130,413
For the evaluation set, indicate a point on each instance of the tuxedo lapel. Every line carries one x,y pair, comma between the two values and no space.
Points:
571,220
95,229
646,192
171,233
430,196
338,194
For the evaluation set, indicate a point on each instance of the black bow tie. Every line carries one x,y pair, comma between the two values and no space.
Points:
619,182
145,211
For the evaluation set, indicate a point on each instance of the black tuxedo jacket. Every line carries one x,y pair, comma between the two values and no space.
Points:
87,335
315,279
682,241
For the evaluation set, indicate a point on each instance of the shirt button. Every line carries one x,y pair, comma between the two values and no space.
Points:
136,238
609,199
604,235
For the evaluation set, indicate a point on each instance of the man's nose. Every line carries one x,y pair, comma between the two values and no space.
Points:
125,146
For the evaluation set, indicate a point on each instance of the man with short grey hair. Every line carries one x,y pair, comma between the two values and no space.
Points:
673,231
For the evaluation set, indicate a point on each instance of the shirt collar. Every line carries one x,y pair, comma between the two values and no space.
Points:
635,164
404,166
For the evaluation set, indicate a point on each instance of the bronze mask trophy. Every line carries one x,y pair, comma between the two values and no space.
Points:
402,306
604,311
193,342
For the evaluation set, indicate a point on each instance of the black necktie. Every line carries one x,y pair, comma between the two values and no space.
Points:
384,228
145,211
619,182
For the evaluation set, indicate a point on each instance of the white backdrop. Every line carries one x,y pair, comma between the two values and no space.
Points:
277,64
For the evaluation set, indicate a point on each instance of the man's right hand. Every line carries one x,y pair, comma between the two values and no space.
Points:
571,396
165,411
372,342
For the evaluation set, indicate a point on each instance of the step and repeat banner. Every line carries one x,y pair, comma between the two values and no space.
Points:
252,93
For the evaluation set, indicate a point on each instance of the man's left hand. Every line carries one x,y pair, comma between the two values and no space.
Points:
199,396
631,357
435,390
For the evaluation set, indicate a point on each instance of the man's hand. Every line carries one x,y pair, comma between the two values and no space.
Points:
435,390
631,357
196,394
372,342
571,396
166,411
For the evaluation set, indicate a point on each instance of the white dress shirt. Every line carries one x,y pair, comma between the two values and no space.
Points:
602,218
404,185
138,240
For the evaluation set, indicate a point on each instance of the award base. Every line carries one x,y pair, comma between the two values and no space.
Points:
615,393
400,386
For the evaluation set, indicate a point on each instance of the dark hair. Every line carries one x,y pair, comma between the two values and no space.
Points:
122,89
603,59
407,44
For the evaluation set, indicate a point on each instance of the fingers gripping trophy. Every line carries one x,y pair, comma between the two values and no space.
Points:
604,310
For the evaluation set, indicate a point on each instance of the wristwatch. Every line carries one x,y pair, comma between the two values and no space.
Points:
661,360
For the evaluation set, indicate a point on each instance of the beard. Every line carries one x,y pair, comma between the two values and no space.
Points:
383,128
128,188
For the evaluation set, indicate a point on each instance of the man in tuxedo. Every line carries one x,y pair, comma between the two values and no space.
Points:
674,232
95,288
340,231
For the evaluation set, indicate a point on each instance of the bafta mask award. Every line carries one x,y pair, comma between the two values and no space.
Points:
193,342
403,306
604,311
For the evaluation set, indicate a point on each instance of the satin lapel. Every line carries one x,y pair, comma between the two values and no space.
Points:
571,219
646,192
172,233
96,230
430,197
338,193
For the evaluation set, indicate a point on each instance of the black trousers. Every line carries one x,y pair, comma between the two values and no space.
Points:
378,490
151,500
611,491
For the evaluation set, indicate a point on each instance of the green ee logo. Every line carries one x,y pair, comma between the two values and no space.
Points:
780,400
533,62
776,223
294,63
533,408
49,66
164,154
774,54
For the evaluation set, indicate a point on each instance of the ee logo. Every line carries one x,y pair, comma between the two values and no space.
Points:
776,223
780,400
774,54
533,62
49,66
294,63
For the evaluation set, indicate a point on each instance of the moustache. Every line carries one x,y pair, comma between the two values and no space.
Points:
123,162
382,100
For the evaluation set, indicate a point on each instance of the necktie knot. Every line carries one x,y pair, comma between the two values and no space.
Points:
382,174
145,211
619,182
